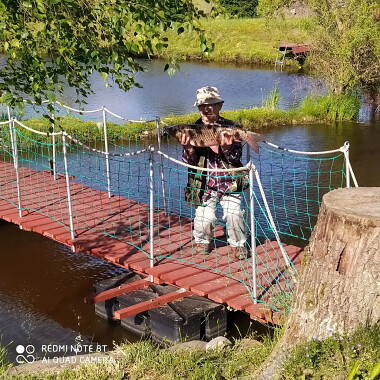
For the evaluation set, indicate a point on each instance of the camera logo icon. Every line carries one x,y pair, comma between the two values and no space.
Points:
25,354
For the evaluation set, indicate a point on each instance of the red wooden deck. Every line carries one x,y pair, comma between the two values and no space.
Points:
96,217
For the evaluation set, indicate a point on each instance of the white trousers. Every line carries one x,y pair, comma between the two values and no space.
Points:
232,214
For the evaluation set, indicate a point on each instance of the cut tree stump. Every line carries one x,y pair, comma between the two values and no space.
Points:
339,286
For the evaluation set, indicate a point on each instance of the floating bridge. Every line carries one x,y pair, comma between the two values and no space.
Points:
122,200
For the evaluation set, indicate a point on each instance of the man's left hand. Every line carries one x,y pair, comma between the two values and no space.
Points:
226,140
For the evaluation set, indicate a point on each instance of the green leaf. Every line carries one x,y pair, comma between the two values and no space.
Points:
104,75
354,371
15,43
52,98
375,372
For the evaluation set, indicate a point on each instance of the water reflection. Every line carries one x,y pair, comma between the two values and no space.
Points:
161,95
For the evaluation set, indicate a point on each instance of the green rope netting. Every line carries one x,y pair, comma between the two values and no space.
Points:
293,184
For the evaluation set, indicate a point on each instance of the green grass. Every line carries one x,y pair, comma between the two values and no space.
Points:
241,40
145,360
336,357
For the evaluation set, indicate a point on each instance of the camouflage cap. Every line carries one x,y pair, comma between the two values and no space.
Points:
208,95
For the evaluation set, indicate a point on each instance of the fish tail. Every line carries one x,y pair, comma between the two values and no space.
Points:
252,139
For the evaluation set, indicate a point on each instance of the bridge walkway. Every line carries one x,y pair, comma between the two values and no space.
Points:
117,230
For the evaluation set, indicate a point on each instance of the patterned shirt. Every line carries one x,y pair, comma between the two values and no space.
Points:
217,182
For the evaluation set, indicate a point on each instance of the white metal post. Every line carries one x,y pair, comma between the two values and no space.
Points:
107,152
16,163
151,210
161,166
11,135
347,157
253,232
54,152
68,190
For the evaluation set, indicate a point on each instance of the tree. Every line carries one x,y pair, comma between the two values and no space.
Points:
338,290
240,8
346,47
50,42
345,43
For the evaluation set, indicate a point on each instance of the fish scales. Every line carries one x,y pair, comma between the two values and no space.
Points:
201,135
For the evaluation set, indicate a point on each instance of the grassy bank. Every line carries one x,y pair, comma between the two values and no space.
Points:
337,357
241,40
313,110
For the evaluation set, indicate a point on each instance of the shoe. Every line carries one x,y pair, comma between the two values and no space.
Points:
239,253
201,249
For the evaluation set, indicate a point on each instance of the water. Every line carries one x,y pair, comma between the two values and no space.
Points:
240,87
42,284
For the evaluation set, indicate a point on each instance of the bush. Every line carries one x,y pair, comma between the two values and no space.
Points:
240,8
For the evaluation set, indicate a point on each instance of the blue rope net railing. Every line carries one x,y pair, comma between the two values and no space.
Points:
282,200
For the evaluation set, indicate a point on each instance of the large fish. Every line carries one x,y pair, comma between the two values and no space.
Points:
211,134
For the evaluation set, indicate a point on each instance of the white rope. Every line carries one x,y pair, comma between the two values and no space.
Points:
76,141
203,169
38,132
128,120
114,114
79,111
33,102
341,149
5,122
276,234
142,121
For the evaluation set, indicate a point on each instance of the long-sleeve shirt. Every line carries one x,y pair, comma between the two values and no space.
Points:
217,182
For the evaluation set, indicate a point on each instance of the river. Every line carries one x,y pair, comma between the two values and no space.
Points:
42,284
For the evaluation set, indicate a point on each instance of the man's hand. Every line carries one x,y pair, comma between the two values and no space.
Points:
185,142
226,141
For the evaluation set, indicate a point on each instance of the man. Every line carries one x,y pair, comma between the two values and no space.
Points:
216,187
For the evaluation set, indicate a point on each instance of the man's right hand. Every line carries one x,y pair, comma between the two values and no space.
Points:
185,141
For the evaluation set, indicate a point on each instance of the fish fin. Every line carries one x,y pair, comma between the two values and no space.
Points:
252,139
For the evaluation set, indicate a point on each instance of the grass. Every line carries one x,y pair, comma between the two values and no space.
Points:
338,357
314,109
241,40
144,360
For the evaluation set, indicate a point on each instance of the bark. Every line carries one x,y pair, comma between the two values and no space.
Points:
339,285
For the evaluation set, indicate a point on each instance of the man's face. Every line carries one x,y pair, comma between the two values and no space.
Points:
210,112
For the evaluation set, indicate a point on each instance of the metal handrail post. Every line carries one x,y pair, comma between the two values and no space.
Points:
162,164
11,135
151,209
106,151
253,231
16,163
54,150
68,190
347,156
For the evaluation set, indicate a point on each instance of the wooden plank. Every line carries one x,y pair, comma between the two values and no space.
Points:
151,304
122,289
232,291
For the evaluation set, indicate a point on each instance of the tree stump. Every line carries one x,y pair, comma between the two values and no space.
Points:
339,285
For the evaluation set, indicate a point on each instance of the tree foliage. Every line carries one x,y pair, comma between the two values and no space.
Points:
240,8
346,48
346,42
51,42
268,8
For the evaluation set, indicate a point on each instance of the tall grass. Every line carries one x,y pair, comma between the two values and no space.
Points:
332,107
272,100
